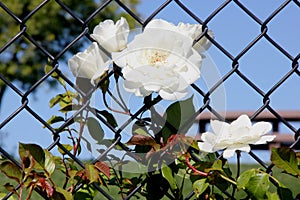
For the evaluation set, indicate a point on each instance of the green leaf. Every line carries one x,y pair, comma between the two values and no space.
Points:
244,178
95,129
61,194
218,165
55,100
272,196
55,119
69,107
200,186
109,118
92,173
63,99
177,114
9,187
49,162
255,182
140,131
85,193
258,185
168,175
67,146
34,150
285,158
54,74
284,193
11,170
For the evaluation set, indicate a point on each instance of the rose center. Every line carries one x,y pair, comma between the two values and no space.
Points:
158,57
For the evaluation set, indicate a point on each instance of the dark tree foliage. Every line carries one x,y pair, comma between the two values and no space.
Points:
52,27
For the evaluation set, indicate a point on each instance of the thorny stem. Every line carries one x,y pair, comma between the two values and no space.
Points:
68,128
79,135
200,173
120,96
49,178
71,136
82,123
29,193
67,173
111,109
21,192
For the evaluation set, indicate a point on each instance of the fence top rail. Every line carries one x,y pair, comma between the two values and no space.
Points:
289,115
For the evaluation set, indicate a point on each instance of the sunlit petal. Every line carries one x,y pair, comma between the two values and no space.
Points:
261,128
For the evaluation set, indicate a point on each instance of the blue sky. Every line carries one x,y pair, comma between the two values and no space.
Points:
233,29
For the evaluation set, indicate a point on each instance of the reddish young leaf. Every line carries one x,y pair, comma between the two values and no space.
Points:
45,185
82,175
183,140
141,140
103,167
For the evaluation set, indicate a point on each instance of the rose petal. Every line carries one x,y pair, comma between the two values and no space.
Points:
176,95
159,24
229,151
264,139
208,137
203,44
206,147
220,128
85,64
260,128
241,121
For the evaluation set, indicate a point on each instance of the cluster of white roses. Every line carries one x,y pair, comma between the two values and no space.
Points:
161,59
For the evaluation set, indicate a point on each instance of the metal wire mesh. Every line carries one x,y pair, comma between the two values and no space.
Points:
205,95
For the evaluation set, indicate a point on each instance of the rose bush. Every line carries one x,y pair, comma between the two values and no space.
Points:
163,60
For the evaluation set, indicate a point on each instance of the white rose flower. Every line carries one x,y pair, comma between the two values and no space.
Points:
235,136
159,60
90,64
112,36
190,30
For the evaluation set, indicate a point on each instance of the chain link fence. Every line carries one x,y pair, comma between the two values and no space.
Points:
235,57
